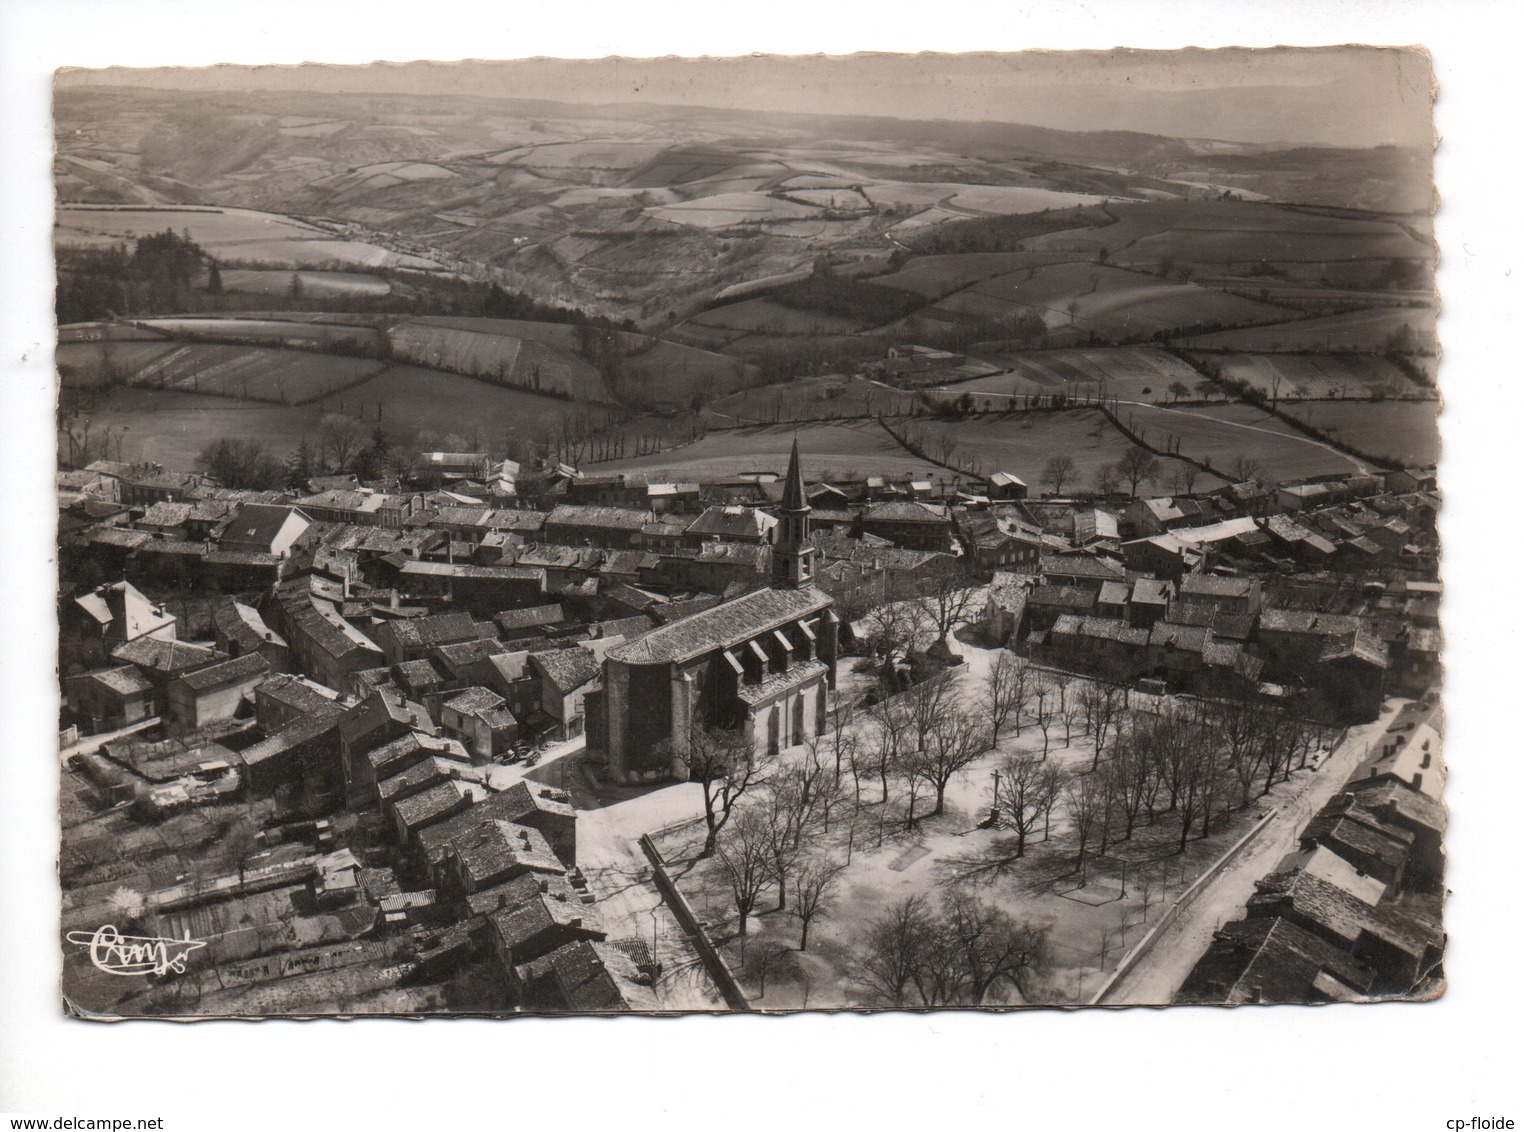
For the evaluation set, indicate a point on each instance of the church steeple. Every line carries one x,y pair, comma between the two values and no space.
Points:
792,553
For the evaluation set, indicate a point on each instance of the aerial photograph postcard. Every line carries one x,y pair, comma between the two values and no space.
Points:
766,534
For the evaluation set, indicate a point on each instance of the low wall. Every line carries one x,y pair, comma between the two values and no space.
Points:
714,962
1182,902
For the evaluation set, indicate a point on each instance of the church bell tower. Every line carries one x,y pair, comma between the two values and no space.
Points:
793,556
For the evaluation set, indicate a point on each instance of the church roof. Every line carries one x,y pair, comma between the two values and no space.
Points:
722,626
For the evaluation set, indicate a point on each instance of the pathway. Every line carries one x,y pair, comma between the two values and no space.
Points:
1172,955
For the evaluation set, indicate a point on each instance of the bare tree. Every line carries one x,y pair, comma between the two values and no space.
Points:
1137,465
987,946
1245,468
1084,801
1106,481
1043,692
895,949
340,439
815,885
1022,796
947,599
726,766
745,863
1101,705
1004,692
1057,472
955,742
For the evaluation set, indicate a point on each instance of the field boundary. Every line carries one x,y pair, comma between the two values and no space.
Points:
714,962
1243,390
1182,902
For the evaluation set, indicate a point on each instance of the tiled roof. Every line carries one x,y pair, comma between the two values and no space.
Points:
124,681
566,669
1210,585
1080,566
906,512
228,672
614,518
723,625
166,656
440,629
510,619
474,700
1269,959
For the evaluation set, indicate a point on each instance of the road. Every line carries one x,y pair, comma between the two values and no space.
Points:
1175,951
610,821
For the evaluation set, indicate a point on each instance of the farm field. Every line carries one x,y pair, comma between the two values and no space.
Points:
724,210
253,373
1216,435
1024,442
1106,300
764,316
828,451
815,398
1134,373
273,331
1202,232
496,356
1366,331
936,276
1316,375
315,284
235,234
172,428
405,398
1404,432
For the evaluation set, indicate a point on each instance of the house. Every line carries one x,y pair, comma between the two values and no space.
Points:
109,698
544,809
564,676
239,630
489,852
1270,959
480,719
1045,604
302,758
1400,943
730,524
539,926
480,589
912,524
385,714
434,467
1079,571
1005,607
323,644
393,758
363,507
265,529
214,694
1005,487
1148,602
413,814
610,527
282,699
109,616
162,661
583,977
530,623
412,638
1230,595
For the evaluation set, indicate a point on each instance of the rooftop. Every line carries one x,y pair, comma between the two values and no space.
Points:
722,626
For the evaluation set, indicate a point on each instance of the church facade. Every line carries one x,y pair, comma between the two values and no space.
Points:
761,664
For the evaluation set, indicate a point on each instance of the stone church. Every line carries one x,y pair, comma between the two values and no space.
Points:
762,664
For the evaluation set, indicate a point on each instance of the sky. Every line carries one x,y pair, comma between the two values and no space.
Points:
1348,96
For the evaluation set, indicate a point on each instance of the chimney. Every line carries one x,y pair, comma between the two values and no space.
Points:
1417,781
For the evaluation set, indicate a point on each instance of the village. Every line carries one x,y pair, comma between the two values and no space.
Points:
496,741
